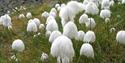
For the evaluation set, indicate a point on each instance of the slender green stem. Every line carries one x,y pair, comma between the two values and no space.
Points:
90,22
15,53
78,59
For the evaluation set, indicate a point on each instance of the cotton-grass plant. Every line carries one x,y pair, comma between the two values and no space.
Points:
36,39
17,46
5,21
62,49
107,20
90,24
112,30
89,37
54,35
51,24
44,57
58,7
85,3
87,50
83,18
120,37
21,16
106,14
63,5
91,9
105,4
80,35
37,21
48,33
49,18
70,30
112,3
29,15
96,2
53,12
31,26
41,27
14,59
45,14
123,1
68,12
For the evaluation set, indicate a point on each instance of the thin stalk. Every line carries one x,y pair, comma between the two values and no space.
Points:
15,53
90,22
107,28
78,59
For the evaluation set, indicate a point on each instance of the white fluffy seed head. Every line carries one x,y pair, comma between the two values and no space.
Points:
107,20
53,10
50,18
91,8
31,26
105,13
36,21
96,2
57,5
52,14
10,27
70,30
83,18
54,35
75,6
85,2
34,36
29,15
38,33
41,27
52,25
112,30
59,8
87,50
63,5
21,16
45,14
6,20
105,4
66,15
68,12
13,57
18,45
120,37
90,23
44,57
112,3
80,35
123,1
62,47
89,36
48,33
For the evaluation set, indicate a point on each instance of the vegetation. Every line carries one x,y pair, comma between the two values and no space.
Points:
106,48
